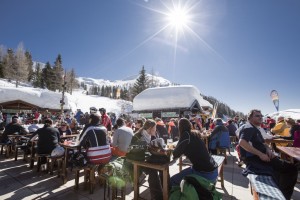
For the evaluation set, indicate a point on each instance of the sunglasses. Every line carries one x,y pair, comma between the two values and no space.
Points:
258,116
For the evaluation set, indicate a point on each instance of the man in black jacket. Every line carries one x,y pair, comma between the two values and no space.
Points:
13,128
259,158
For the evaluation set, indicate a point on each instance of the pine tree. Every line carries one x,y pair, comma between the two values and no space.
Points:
124,94
141,83
102,91
71,81
29,66
2,54
58,73
21,65
8,64
48,80
37,77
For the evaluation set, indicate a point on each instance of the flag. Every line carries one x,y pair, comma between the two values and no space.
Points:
214,112
275,98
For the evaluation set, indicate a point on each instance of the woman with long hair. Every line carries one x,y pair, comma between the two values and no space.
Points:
191,145
146,134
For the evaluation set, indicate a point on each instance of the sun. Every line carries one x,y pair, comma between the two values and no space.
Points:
178,18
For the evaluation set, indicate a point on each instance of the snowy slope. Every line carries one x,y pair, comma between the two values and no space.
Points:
49,99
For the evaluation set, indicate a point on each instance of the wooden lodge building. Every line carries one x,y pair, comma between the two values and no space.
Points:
170,102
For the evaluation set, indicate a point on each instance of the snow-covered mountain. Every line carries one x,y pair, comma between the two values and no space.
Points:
127,82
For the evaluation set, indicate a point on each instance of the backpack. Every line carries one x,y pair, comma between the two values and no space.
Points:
195,187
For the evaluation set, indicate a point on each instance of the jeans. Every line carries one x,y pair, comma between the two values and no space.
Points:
177,178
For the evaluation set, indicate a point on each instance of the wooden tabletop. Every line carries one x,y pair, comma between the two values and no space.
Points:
293,152
68,136
281,140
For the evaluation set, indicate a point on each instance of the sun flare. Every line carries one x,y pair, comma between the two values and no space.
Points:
178,18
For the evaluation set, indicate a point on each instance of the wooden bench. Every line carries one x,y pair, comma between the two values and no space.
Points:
264,188
220,160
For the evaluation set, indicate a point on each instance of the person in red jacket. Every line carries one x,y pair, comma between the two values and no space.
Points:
105,119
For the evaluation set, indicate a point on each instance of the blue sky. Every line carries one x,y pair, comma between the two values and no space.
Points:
236,51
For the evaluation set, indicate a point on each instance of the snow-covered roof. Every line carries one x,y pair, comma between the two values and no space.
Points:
44,98
40,97
171,97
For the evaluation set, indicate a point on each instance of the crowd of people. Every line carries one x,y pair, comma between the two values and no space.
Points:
104,138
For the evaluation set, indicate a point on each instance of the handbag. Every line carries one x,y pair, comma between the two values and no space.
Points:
137,154
137,150
158,155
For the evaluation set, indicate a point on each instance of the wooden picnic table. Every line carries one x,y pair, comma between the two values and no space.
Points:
163,167
292,152
280,142
68,146
68,136
15,138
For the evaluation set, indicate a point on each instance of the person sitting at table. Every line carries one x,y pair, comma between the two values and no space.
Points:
219,137
48,139
13,128
145,134
33,127
280,127
64,128
259,158
73,125
294,131
94,139
139,124
192,146
121,138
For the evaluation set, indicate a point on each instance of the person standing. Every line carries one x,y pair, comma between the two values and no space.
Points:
231,128
259,158
219,137
161,129
105,119
78,115
121,138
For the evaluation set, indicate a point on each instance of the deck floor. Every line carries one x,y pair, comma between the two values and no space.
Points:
18,181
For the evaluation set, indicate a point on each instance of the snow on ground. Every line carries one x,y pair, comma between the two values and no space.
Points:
49,99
